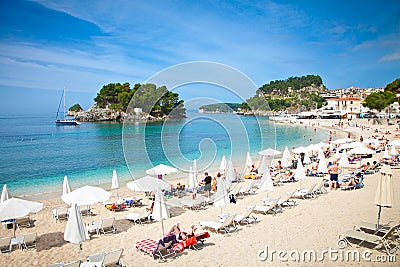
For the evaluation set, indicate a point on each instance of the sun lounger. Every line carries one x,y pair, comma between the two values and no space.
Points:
139,218
76,263
372,228
94,227
60,214
23,222
195,204
96,259
270,206
161,249
85,210
249,190
247,217
29,241
107,226
353,187
113,258
305,193
224,226
376,241
5,244
287,201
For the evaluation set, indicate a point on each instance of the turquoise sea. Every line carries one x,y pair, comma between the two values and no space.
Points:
36,154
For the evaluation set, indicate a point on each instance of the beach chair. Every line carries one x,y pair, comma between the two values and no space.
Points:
195,204
376,241
113,258
277,180
270,206
23,222
287,201
29,241
224,226
371,228
139,218
94,227
236,190
60,214
353,187
107,226
73,264
247,218
305,193
320,189
5,243
248,190
200,239
96,259
58,264
85,210
158,249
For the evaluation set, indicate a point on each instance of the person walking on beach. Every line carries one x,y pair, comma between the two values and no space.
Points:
334,171
207,184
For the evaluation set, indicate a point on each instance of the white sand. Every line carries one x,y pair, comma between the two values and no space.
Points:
313,224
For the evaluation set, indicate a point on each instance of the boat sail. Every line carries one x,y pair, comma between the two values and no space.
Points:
65,121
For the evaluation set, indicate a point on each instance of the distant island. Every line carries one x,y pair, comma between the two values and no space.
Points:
221,108
119,102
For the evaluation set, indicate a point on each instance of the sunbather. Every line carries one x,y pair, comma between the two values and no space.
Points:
181,233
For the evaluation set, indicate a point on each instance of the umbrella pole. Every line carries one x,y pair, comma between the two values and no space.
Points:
80,251
14,226
379,217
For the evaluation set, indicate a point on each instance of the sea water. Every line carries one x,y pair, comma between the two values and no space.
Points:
36,154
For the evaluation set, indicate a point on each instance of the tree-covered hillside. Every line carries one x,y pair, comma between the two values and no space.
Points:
221,107
292,84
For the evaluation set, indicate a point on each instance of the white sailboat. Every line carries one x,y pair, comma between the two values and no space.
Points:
65,121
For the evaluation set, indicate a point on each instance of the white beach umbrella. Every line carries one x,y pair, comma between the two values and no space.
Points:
322,145
386,153
312,147
269,152
222,166
286,157
148,184
195,168
344,160
299,173
285,163
249,161
361,150
320,154
4,194
230,175
160,209
322,168
300,149
86,195
14,208
371,141
337,155
384,193
393,151
395,142
161,169
115,182
75,230
342,141
221,196
266,183
307,159
263,165
192,179
66,187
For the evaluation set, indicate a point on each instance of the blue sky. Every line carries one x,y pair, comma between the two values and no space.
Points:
47,44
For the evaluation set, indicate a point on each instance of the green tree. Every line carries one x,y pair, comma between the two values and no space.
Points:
379,100
76,108
394,86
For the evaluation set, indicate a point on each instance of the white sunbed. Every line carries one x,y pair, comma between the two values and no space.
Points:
304,192
195,204
247,217
224,226
271,206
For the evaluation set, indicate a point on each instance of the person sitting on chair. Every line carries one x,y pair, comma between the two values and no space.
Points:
181,233
253,169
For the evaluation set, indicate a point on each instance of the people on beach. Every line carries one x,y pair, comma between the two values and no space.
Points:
253,169
207,184
334,172
181,233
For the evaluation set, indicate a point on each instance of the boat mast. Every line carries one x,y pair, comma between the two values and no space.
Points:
65,105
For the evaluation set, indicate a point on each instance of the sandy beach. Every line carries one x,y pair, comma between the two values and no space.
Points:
314,224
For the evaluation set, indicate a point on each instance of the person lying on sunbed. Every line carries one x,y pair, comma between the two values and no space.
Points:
181,233
353,180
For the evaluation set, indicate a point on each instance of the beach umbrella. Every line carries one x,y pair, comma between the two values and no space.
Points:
337,155
322,163
192,179
395,142
344,160
322,145
285,163
4,194
221,196
299,173
249,161
160,209
222,166
195,168
162,169
230,175
361,150
371,141
307,159
14,208
386,153
312,147
115,182
384,192
269,152
286,157
75,230
148,184
66,187
266,183
300,149
263,165
393,151
86,195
